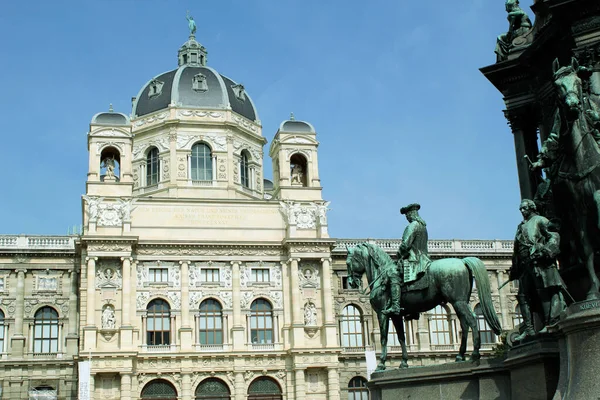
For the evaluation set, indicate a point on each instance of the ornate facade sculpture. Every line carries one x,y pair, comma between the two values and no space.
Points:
297,175
305,215
310,314
519,25
108,317
534,265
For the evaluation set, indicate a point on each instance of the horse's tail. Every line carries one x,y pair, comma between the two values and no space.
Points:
480,274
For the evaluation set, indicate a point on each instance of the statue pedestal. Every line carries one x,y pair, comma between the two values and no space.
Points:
484,380
579,352
534,368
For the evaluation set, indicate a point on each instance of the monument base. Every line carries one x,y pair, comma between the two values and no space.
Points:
530,372
484,380
579,352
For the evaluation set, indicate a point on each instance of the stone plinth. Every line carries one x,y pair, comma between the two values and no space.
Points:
485,380
534,369
580,352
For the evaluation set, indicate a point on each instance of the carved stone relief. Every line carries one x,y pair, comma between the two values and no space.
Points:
162,143
9,306
45,282
254,150
108,274
218,143
304,215
201,114
142,299
181,167
246,298
166,174
309,277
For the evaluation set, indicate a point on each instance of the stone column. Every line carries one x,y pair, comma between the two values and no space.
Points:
126,327
18,339
72,334
328,313
91,291
237,330
297,315
240,386
333,384
500,279
287,317
186,386
185,331
423,333
300,384
125,386
172,156
92,385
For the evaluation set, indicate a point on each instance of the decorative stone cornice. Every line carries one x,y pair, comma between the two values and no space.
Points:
208,250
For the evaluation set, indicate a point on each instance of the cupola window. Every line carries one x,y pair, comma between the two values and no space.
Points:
199,83
155,88
239,91
152,167
201,163
245,170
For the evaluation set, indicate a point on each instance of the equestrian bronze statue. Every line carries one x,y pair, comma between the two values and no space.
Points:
448,280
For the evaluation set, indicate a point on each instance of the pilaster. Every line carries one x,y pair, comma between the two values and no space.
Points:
300,386
185,332
90,328
126,327
333,384
296,303
72,338
125,386
18,338
238,328
327,299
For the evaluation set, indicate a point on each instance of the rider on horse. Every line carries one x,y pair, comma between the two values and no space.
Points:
413,256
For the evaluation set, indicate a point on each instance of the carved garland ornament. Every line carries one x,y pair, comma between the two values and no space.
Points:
149,120
207,252
218,143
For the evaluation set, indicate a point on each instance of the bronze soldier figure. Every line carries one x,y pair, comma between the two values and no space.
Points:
534,265
413,255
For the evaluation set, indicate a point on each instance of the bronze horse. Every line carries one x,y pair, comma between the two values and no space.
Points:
450,281
573,149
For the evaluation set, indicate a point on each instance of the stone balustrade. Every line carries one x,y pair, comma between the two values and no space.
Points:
435,246
29,242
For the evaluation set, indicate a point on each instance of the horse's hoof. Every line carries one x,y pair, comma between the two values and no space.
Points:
475,357
460,358
380,368
403,365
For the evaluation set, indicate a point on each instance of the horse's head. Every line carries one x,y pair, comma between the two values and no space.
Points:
569,87
355,264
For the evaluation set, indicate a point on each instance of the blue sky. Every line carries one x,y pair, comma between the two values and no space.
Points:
392,87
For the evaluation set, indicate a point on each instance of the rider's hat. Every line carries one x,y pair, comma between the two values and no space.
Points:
410,207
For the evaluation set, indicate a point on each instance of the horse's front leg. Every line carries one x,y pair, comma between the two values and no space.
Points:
384,324
399,324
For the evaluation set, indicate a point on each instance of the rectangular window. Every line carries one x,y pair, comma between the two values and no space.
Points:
209,275
158,275
260,275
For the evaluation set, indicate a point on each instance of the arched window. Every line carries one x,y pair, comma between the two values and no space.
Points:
439,326
213,389
158,323
45,331
244,170
210,321
201,162
261,322
517,317
486,333
351,327
264,389
43,393
298,170
152,167
357,389
159,389
393,337
2,332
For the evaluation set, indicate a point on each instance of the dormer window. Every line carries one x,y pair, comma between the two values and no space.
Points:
155,88
239,92
199,83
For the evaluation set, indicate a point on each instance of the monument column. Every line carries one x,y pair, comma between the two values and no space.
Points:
238,327
333,384
297,316
525,137
18,339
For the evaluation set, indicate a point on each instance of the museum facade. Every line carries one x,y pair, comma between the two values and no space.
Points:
197,278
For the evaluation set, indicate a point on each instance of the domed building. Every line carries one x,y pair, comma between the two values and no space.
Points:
195,277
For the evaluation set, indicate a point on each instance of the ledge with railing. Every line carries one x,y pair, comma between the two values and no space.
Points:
30,242
46,356
357,349
435,246
161,348
265,346
209,348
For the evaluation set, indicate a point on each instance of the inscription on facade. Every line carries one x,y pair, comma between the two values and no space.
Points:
205,216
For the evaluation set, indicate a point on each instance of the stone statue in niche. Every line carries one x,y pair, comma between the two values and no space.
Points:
310,314
519,25
109,320
297,175
46,283
109,164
